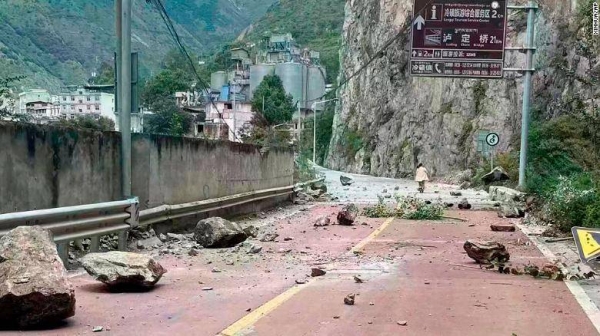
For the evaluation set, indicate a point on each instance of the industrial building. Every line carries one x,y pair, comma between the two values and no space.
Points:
299,69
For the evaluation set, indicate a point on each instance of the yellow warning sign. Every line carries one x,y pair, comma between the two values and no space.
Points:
588,242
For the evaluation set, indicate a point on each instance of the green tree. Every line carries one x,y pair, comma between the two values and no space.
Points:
105,75
271,101
5,95
167,119
164,85
89,123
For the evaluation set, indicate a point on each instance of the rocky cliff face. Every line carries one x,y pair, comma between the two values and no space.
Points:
387,121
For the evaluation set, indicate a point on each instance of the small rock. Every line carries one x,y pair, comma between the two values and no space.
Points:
254,249
371,304
357,279
364,223
336,317
249,309
387,196
349,299
216,270
315,272
464,204
207,288
348,214
300,281
268,237
123,269
364,188
402,323
323,221
455,193
503,228
193,252
175,236
162,237
140,245
346,180
97,329
397,188
288,238
384,191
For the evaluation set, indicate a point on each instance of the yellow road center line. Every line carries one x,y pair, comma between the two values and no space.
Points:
373,235
250,319
262,311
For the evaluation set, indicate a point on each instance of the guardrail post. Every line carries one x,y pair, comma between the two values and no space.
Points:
63,252
123,240
134,212
94,244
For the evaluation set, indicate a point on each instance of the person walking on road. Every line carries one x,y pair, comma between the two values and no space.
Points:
421,177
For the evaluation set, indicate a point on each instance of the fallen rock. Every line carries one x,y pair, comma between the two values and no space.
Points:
464,204
449,205
268,237
175,237
320,186
34,286
357,279
300,281
162,237
455,193
387,196
402,323
348,214
288,238
316,272
218,232
349,299
465,185
123,269
193,252
384,191
396,188
498,174
323,221
346,180
251,231
486,252
97,329
254,249
503,228
510,211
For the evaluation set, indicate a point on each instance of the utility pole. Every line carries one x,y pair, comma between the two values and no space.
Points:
529,49
118,32
126,97
233,112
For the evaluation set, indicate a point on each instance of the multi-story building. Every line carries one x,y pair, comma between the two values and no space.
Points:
34,95
76,101
43,112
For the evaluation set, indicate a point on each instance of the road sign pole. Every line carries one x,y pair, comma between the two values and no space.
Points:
531,8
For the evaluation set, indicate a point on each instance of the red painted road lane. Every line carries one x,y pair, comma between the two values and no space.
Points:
180,306
434,297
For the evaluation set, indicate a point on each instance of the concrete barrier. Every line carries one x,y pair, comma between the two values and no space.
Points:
46,167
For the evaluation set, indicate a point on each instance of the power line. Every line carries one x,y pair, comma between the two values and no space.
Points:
175,36
379,53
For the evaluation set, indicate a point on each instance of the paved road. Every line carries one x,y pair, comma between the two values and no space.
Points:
413,271
366,188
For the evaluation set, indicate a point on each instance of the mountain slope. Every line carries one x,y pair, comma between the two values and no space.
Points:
56,42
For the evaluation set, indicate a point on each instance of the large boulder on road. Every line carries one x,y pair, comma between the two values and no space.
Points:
123,269
348,214
219,232
486,252
496,175
34,287
346,180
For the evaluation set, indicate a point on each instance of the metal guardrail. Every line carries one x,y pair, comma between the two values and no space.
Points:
92,221
167,212
78,222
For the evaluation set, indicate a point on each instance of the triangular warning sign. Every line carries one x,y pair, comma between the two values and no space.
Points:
587,241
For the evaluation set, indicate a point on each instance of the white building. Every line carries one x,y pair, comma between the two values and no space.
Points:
80,102
43,112
235,119
29,96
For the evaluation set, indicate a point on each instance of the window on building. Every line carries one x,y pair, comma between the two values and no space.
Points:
97,98
88,98
97,107
200,129
80,111
80,101
228,106
89,107
72,98
64,98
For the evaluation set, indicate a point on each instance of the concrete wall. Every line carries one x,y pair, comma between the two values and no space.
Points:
44,167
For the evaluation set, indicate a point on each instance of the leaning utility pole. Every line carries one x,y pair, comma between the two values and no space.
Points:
125,97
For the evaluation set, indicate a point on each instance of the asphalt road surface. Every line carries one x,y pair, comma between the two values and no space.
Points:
415,279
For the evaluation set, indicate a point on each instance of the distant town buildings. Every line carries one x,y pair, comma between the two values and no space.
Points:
299,69
43,107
